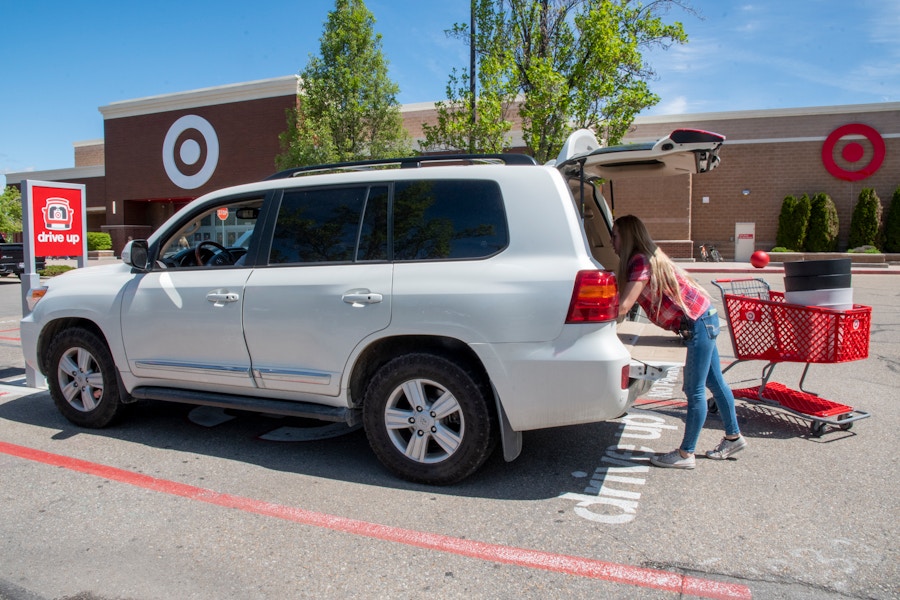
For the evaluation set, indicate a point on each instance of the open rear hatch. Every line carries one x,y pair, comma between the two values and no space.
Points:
585,164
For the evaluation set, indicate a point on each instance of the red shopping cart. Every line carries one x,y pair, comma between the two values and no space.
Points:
764,327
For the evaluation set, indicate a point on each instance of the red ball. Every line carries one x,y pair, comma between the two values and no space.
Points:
759,259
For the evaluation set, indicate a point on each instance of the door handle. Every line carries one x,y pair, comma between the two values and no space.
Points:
359,299
220,298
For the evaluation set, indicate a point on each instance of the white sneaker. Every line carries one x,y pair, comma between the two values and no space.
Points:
673,460
726,448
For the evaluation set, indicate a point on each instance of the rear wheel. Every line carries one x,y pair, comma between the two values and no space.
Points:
429,420
82,378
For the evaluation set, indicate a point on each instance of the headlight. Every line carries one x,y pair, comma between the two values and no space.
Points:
35,296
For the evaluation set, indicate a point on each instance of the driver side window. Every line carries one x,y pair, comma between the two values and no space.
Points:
220,236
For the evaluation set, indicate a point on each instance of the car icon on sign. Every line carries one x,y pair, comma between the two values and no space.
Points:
57,214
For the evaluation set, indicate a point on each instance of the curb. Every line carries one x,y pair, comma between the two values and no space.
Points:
777,268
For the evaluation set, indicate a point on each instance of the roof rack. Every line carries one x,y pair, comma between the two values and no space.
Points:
408,162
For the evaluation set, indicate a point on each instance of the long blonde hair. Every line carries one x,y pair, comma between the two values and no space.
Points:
634,239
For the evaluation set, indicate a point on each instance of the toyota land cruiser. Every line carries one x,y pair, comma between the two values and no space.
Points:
447,309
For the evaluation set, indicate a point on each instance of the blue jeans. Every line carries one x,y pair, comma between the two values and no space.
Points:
702,370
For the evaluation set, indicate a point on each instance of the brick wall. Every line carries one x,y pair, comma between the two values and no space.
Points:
89,154
772,157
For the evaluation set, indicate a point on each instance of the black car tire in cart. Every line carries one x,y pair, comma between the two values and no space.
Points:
805,283
428,419
812,268
82,378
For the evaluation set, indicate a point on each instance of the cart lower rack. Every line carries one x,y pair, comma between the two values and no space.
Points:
764,327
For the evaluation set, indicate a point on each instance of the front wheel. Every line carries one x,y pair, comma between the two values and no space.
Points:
429,420
81,375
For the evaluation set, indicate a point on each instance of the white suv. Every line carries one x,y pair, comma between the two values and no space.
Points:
445,308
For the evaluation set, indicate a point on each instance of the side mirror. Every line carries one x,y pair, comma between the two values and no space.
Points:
137,254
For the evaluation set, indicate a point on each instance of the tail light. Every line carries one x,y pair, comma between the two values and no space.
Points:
595,298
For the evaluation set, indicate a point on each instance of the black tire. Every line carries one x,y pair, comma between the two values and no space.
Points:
805,283
418,443
813,268
82,378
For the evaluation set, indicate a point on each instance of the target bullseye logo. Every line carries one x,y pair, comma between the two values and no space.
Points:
190,152
853,152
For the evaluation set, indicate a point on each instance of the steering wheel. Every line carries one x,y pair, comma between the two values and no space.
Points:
222,256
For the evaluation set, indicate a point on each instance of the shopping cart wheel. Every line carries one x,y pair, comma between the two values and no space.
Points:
845,426
818,428
711,405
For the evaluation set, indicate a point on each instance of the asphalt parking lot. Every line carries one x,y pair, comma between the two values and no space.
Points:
177,502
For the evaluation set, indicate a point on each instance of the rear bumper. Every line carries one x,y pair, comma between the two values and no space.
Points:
574,379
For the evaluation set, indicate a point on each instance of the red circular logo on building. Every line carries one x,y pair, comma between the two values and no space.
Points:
853,152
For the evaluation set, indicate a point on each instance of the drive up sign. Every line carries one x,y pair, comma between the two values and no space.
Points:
54,220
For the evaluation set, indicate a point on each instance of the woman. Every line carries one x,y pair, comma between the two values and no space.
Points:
672,301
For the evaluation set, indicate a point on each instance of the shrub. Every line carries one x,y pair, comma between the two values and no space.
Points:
866,220
54,270
792,222
892,224
822,233
780,249
98,241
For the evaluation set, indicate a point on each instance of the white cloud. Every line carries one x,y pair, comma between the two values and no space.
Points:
678,105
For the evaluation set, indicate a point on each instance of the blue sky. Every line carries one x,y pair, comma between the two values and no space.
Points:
62,59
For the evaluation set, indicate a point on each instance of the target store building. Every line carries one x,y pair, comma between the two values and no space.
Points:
159,153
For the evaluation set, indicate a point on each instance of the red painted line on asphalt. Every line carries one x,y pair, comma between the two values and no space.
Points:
651,401
558,563
10,339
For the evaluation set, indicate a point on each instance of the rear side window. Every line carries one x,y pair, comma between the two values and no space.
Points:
448,219
316,226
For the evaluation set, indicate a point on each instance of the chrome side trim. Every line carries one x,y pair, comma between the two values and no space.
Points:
291,376
196,368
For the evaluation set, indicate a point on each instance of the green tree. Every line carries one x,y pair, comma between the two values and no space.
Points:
485,129
347,107
570,64
822,233
11,210
865,223
892,224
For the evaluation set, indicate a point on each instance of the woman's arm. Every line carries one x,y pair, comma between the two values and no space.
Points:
629,295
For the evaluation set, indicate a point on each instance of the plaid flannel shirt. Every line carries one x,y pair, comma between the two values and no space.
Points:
669,314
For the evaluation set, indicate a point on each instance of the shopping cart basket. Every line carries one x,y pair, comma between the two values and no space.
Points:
764,327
